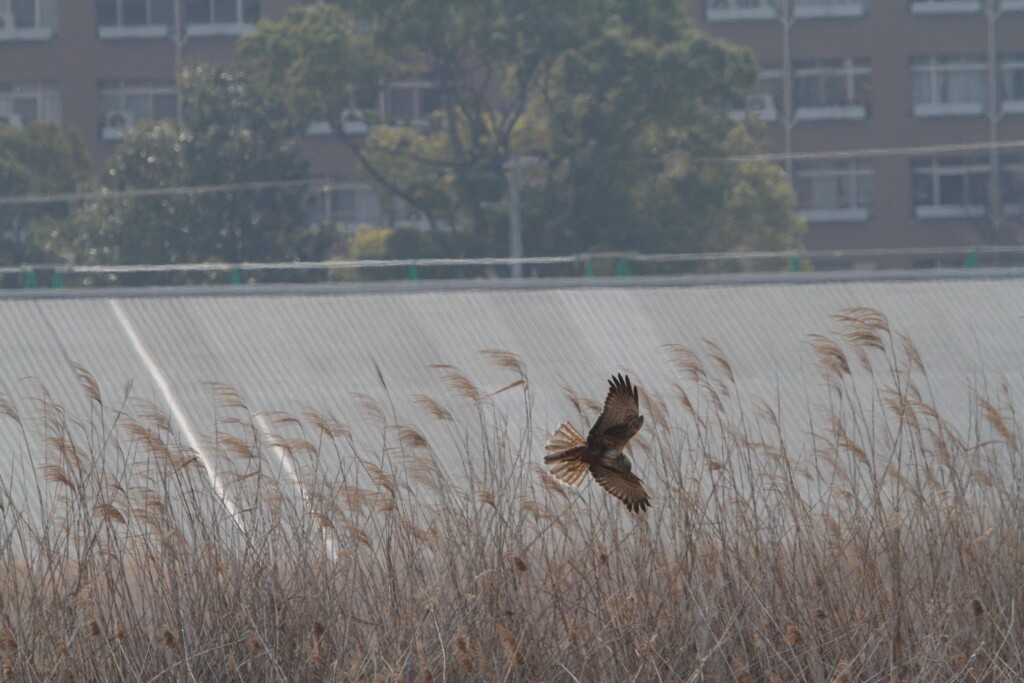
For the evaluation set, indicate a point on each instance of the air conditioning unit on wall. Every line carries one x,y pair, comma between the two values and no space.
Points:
116,124
763,105
353,123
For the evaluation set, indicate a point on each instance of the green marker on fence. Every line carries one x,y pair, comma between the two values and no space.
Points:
30,280
971,259
588,267
58,279
622,268
794,264
236,276
414,273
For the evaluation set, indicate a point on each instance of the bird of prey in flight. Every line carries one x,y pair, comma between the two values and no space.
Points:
571,456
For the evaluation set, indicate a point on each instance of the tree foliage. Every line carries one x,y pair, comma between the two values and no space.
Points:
624,102
231,133
38,159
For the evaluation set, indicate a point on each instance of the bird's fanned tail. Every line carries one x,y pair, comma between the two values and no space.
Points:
566,448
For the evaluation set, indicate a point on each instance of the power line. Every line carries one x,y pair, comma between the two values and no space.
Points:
326,184
871,152
189,190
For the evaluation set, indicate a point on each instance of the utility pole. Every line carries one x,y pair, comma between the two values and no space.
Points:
995,199
787,18
179,39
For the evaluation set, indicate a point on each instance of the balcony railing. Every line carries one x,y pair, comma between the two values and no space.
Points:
832,112
949,211
734,13
144,31
945,6
853,214
826,8
949,109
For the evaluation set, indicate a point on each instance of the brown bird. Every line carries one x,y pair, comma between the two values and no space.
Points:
601,452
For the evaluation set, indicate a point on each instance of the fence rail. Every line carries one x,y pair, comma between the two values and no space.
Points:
30,276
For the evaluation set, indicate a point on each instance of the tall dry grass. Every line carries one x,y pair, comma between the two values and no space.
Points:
893,551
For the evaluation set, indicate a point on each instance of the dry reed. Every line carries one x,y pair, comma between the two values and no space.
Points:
891,550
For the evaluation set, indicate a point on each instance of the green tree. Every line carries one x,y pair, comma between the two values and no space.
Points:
39,159
625,101
230,134
635,131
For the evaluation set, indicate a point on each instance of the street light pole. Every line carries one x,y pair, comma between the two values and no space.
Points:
514,165
515,224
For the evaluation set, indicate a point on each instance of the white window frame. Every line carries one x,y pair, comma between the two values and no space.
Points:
937,170
1009,63
47,97
856,173
123,90
736,10
147,30
417,87
237,27
817,9
366,206
932,66
946,6
849,70
1013,208
44,24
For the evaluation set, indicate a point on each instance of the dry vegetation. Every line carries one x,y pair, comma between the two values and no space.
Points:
893,551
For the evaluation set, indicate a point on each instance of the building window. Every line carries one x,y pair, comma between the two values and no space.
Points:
950,187
740,10
124,104
948,85
220,17
20,105
833,191
404,103
1011,83
945,6
810,9
831,89
134,18
27,19
347,205
1011,179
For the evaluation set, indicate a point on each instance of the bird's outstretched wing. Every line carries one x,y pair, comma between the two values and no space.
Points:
625,486
621,417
